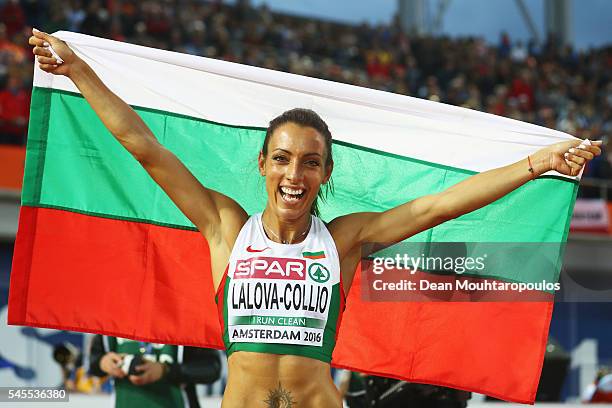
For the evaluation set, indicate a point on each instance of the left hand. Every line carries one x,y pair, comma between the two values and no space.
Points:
151,372
569,157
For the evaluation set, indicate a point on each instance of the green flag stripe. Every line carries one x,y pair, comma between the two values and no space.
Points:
36,147
75,150
279,321
111,216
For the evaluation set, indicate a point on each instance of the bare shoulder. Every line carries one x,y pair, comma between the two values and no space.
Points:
222,237
347,233
346,230
232,218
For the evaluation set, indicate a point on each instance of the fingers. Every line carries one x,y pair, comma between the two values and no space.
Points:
39,42
596,150
48,67
140,379
137,380
149,372
574,167
41,35
574,158
47,60
44,40
585,153
593,146
42,51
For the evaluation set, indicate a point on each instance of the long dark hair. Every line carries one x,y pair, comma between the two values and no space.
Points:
305,118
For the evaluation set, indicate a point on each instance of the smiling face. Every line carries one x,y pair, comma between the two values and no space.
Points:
295,168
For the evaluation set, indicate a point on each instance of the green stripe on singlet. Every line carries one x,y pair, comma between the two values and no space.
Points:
318,253
279,321
322,353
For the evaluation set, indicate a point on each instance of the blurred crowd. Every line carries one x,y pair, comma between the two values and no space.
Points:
545,84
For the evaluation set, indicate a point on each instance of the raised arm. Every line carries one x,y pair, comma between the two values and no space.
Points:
217,216
403,221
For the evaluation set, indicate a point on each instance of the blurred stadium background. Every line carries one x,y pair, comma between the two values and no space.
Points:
547,62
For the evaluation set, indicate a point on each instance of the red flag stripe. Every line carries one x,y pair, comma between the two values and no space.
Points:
132,280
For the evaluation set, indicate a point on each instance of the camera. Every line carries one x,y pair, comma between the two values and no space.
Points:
129,364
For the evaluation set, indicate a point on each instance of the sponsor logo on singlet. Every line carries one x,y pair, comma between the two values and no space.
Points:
270,268
318,273
279,300
251,249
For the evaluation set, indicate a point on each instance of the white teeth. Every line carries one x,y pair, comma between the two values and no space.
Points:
291,191
291,195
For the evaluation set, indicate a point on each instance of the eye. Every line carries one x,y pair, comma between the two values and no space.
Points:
279,158
314,163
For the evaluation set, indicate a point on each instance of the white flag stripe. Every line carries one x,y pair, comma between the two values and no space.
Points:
242,95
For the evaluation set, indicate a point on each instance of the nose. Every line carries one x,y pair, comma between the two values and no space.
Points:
294,172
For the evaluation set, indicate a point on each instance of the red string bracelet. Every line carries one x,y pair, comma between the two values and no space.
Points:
531,168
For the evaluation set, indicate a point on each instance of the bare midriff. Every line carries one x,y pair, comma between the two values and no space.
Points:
261,380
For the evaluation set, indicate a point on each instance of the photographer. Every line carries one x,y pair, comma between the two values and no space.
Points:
381,392
153,375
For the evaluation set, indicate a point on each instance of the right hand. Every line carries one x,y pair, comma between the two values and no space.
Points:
111,364
45,58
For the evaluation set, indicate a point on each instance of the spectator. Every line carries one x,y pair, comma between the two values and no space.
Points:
14,111
153,375
96,21
13,17
11,53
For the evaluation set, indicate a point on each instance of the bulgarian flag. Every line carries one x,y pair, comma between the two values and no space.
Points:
102,249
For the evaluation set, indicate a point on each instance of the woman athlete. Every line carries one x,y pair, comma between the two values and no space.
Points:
291,368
